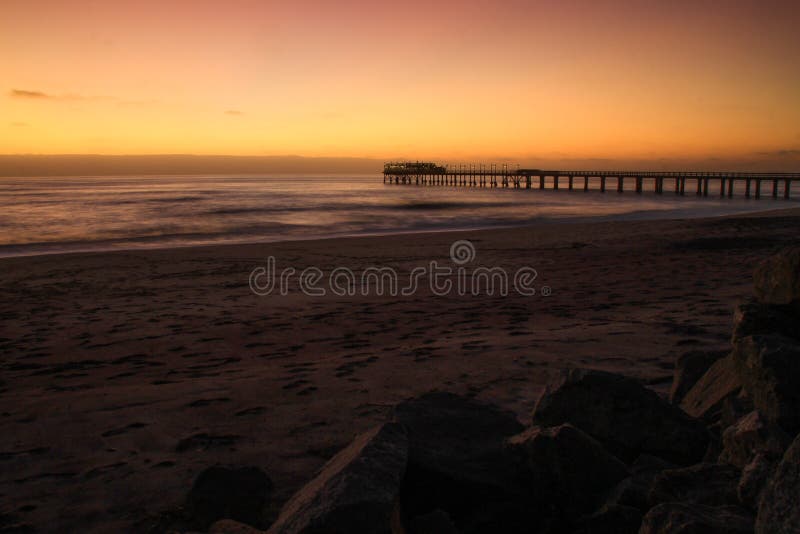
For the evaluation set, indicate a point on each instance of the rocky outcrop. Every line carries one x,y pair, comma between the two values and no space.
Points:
755,477
356,491
680,518
749,436
777,279
558,460
705,483
778,510
769,367
689,368
753,318
238,493
764,367
627,418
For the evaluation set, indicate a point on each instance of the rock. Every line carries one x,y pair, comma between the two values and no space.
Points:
769,367
777,279
238,493
649,464
689,368
627,418
570,468
435,522
614,519
705,399
752,435
458,463
752,318
778,509
356,492
634,491
732,410
755,477
228,526
680,518
706,483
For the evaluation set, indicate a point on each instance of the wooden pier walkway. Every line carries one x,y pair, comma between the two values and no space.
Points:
748,184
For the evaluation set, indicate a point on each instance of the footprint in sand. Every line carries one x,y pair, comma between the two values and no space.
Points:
347,369
206,402
122,430
204,441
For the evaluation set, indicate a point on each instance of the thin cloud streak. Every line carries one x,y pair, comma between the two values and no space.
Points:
25,93
33,94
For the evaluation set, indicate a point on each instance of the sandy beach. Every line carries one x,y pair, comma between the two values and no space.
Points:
125,374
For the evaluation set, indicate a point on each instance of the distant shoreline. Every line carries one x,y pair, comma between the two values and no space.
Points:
70,165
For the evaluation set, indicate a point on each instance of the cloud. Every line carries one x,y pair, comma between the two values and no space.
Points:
41,95
233,112
19,124
25,93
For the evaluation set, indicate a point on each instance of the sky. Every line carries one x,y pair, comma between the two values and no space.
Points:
452,80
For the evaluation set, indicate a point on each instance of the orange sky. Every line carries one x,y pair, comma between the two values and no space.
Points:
641,79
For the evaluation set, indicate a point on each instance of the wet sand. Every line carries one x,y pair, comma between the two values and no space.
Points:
125,374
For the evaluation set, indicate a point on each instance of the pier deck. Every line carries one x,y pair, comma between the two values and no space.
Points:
748,184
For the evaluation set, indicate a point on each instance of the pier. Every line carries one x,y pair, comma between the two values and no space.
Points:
723,184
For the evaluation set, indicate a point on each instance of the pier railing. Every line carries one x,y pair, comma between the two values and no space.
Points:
748,184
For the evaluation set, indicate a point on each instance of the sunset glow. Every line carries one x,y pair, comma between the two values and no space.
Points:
473,79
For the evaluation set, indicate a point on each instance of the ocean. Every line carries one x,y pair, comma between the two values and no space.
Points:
69,214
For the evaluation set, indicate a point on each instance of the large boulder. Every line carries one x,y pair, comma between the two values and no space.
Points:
458,463
612,519
752,435
689,368
681,518
634,491
228,526
755,477
219,492
568,467
778,509
777,279
356,492
753,318
627,418
705,483
435,522
624,505
769,367
706,398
